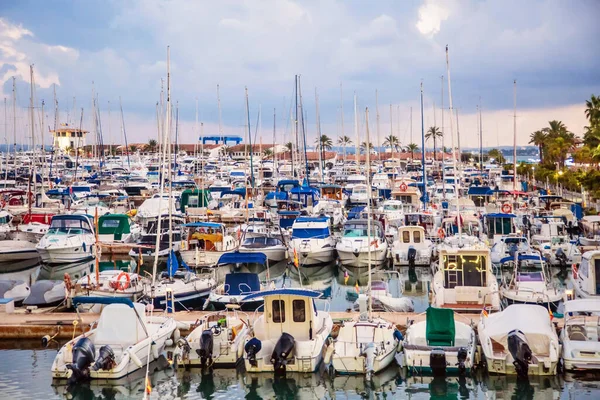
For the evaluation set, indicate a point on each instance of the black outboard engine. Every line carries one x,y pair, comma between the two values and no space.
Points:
462,358
83,356
561,257
252,348
520,351
437,362
206,347
411,256
282,352
106,359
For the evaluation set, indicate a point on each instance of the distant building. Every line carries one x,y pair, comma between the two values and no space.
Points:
68,137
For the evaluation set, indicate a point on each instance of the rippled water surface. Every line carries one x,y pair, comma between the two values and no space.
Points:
25,374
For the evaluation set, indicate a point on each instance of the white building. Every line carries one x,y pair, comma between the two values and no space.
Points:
68,137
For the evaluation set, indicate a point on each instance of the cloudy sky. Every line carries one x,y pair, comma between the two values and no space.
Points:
118,49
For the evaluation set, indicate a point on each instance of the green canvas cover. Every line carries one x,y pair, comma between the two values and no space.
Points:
440,327
114,224
203,197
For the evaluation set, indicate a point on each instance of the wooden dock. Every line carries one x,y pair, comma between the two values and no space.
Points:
33,326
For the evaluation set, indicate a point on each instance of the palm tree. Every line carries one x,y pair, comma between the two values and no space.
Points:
363,147
133,148
267,153
152,145
434,133
592,111
412,148
324,143
496,155
289,146
392,142
344,141
538,138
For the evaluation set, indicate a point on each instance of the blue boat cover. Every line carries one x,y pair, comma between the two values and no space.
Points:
282,292
241,282
479,190
102,300
500,215
237,257
522,257
203,225
310,233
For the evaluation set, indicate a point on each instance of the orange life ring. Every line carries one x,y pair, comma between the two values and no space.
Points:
441,233
120,285
506,208
403,187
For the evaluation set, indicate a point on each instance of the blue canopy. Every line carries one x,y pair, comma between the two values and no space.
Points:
282,292
312,219
237,257
101,300
241,282
479,191
500,215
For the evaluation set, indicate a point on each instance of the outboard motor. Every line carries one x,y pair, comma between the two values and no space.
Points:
437,362
83,356
411,256
282,352
520,351
252,348
106,359
369,353
462,358
206,347
561,257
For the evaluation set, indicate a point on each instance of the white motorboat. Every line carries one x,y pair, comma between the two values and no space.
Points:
411,247
580,336
331,208
17,250
393,211
590,230
312,241
217,341
551,239
521,340
356,243
440,345
586,277
69,239
383,300
124,340
203,243
117,228
289,335
112,283
273,247
365,345
360,194
5,224
464,280
531,287
507,246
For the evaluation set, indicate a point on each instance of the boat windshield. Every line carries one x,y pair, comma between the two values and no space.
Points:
260,242
465,270
69,226
530,277
392,207
361,230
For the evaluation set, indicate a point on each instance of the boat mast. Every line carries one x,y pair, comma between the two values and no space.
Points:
453,149
391,135
220,117
357,157
423,153
515,135
342,116
125,134
32,133
480,140
249,141
369,244
378,131
14,92
6,140
274,143
443,145
319,142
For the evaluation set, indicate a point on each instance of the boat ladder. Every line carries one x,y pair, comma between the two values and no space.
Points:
305,364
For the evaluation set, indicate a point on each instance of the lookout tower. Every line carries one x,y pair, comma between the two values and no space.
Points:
68,137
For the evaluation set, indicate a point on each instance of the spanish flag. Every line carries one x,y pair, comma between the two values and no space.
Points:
148,386
346,277
484,312
357,287
296,261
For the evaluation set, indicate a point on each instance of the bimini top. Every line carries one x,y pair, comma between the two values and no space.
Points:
582,305
102,300
522,257
500,215
285,292
237,257
241,282
203,225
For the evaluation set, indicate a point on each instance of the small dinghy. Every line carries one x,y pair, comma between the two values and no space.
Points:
46,294
521,340
14,289
124,341
440,345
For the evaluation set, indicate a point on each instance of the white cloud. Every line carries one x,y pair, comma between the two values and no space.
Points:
431,16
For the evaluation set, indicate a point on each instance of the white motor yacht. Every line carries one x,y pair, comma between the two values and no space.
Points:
312,241
580,336
70,239
356,243
411,247
586,277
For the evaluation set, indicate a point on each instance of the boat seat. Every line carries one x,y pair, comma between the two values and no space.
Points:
577,332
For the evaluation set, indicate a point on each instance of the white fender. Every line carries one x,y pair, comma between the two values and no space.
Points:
135,358
154,348
328,352
176,335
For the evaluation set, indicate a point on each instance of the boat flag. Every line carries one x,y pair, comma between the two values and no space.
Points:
346,277
484,312
357,287
296,261
148,386
375,242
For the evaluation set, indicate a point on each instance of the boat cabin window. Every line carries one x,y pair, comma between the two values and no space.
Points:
351,230
464,271
417,236
111,223
406,237
299,310
584,267
499,226
278,311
